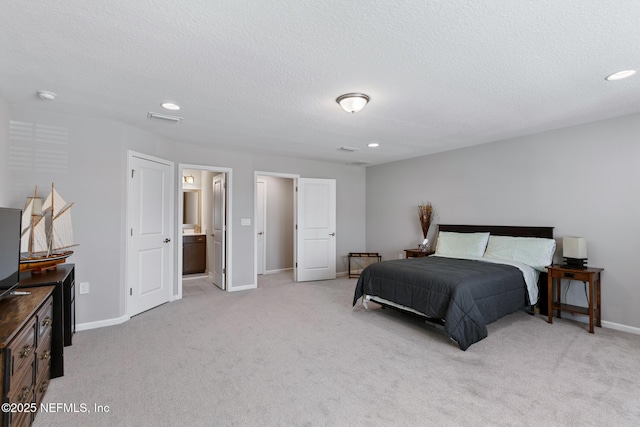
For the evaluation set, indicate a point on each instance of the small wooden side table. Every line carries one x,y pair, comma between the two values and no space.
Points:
590,275
415,253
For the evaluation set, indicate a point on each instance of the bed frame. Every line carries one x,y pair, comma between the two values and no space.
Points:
501,230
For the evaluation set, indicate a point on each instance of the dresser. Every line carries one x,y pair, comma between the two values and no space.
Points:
64,308
26,326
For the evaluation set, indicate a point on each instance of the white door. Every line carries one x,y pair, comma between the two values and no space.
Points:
260,222
316,232
150,219
218,222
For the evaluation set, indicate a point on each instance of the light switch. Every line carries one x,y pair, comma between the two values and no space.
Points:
245,221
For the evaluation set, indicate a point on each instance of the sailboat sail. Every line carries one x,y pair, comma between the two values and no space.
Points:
26,220
40,244
55,202
62,233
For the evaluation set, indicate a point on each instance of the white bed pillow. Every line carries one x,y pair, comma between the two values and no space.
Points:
461,244
532,251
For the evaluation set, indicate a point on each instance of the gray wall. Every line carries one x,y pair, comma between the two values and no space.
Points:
280,222
92,172
584,181
4,151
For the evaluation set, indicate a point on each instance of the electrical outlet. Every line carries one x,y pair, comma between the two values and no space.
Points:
400,255
84,288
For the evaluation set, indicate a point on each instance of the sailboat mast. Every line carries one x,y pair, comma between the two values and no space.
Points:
50,249
33,222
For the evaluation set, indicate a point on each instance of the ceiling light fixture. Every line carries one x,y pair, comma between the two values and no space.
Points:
352,102
620,75
45,95
170,106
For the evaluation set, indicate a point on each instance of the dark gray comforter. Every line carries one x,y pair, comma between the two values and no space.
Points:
466,294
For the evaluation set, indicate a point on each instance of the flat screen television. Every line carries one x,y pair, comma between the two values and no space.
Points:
10,225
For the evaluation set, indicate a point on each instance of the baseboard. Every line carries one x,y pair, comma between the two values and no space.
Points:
101,323
242,288
278,270
619,327
605,324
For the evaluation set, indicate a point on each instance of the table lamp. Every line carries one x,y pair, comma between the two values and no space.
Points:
574,252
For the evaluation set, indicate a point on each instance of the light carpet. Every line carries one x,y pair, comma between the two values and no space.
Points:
298,354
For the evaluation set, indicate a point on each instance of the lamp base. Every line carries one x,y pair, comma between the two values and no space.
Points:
579,263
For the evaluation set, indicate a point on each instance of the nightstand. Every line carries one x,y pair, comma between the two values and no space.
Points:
415,253
590,276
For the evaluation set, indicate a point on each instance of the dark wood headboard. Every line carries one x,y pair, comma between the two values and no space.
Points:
500,230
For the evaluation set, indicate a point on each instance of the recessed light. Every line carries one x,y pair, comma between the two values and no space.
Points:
170,106
373,144
45,95
620,75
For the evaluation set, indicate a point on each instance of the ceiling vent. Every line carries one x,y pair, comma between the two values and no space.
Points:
348,149
164,117
360,163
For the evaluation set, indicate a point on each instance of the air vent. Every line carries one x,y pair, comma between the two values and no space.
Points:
348,149
361,163
164,117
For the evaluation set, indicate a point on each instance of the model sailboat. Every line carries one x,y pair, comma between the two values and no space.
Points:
47,232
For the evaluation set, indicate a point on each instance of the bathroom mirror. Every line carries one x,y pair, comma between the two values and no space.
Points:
191,214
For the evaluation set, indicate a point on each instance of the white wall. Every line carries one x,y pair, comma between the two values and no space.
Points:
92,172
583,180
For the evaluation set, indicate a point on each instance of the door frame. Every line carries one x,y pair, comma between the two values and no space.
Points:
295,177
179,236
263,247
128,220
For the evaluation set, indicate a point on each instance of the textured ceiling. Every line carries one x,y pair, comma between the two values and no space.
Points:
263,75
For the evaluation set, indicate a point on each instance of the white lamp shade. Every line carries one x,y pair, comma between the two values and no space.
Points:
574,247
352,102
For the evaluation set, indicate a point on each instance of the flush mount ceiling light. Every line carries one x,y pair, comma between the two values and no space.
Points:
620,75
352,102
45,95
170,106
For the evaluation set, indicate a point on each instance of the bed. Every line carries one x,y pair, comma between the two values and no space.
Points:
477,275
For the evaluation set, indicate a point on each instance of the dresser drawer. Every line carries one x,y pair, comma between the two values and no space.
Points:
22,348
44,319
43,356
42,382
22,384
571,275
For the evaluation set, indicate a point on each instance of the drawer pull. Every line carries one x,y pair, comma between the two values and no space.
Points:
570,275
26,391
26,351
46,321
46,355
43,386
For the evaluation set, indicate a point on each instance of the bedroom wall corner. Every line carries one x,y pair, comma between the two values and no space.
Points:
582,180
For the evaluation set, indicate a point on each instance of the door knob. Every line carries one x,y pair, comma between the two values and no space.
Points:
332,234
167,240
260,233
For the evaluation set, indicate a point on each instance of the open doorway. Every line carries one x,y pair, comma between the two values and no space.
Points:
204,232
274,226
